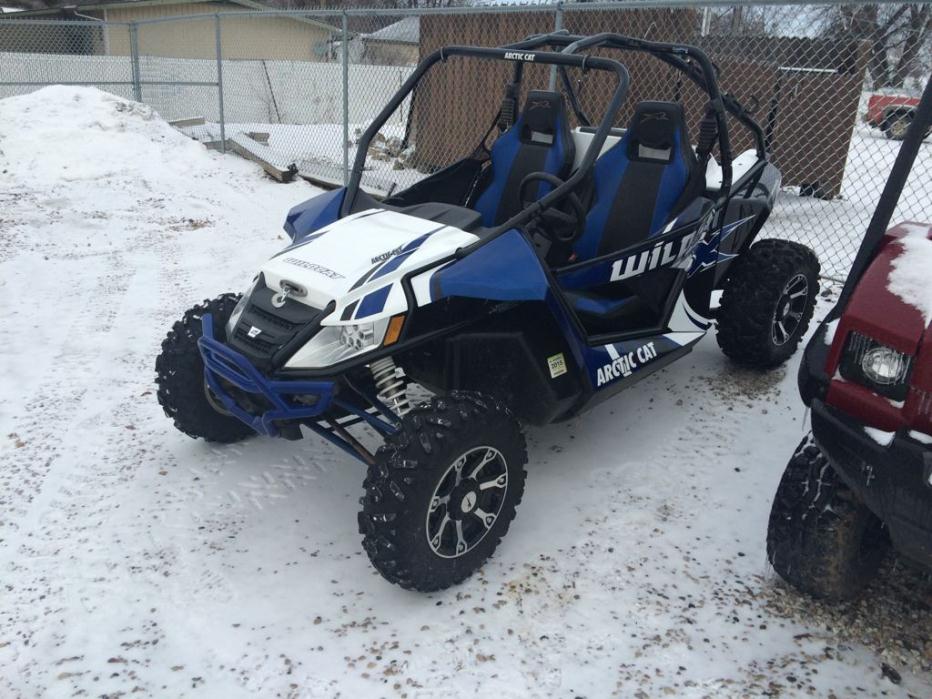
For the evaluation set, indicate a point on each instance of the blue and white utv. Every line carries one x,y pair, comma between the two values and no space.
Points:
554,265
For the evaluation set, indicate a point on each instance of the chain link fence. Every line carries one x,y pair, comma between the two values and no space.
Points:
299,87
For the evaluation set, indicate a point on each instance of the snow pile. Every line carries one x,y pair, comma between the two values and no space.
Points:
911,277
100,197
82,133
78,159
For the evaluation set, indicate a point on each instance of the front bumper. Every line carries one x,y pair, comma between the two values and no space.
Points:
895,481
270,402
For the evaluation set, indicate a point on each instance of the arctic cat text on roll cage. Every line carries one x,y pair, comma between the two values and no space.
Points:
523,283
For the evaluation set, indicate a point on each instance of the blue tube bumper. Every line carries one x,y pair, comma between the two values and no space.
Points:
223,364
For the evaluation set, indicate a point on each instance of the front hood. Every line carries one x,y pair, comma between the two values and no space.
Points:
882,305
890,304
361,253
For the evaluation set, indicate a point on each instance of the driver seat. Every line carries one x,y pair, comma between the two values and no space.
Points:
539,141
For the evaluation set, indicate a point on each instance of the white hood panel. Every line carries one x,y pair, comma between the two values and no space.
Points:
331,263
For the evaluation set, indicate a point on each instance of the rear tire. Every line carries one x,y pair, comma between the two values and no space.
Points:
897,125
179,369
443,491
821,539
767,303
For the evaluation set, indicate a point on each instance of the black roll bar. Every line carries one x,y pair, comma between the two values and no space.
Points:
702,73
520,57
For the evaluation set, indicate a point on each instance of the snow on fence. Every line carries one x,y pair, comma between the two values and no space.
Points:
254,91
25,72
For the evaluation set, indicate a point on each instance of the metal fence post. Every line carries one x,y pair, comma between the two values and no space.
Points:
223,130
557,26
344,51
134,61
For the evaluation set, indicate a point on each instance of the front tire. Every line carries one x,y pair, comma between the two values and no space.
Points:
897,126
443,491
767,303
182,390
821,538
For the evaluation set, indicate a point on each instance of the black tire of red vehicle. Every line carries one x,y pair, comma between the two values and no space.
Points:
821,539
896,125
179,371
410,468
755,293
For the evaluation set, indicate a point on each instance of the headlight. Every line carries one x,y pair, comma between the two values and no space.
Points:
358,337
336,343
239,308
876,366
883,365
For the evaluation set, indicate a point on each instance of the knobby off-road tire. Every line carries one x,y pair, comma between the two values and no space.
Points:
767,303
179,370
403,509
821,539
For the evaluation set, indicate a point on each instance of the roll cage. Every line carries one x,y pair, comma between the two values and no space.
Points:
519,57
689,60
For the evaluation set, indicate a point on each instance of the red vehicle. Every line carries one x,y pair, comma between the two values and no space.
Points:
892,113
862,479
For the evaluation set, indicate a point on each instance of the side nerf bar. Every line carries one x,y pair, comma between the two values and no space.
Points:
223,363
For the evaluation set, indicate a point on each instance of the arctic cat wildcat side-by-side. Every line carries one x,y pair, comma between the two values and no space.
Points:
862,479
547,270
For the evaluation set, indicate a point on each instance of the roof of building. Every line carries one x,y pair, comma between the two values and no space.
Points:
404,31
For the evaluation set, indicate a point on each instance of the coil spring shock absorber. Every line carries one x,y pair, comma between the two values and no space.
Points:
391,385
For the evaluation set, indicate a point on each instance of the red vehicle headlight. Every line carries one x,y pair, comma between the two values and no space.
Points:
876,366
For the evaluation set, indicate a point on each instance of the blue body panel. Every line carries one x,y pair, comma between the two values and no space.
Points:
619,364
601,306
308,216
609,368
506,269
373,302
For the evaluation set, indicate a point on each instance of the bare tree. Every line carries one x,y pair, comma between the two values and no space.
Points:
898,35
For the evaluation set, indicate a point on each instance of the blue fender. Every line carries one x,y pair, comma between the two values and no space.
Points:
505,269
308,216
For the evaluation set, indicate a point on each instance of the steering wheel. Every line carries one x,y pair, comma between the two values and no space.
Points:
557,225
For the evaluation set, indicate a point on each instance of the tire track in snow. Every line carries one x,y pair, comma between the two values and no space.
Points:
63,393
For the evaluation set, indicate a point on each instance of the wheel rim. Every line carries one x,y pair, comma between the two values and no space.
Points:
213,401
466,502
790,309
899,128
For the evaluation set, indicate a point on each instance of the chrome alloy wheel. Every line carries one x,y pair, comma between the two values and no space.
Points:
790,309
466,502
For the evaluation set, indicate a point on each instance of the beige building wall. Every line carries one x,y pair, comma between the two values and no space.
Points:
247,37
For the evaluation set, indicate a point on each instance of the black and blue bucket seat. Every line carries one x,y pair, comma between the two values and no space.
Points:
538,141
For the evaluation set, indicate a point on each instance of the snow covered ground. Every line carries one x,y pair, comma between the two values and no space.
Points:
137,562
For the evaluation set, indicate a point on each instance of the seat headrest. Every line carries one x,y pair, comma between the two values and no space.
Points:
541,117
652,133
